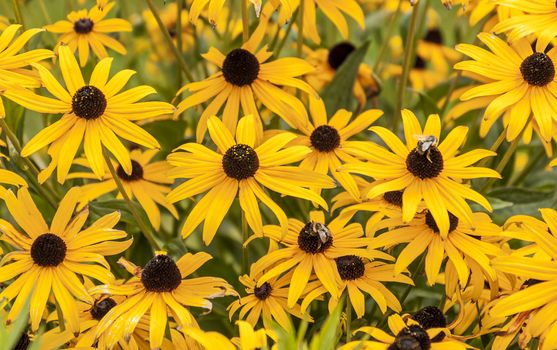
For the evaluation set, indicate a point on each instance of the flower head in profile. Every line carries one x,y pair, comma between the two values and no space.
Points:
328,140
313,247
425,168
14,63
55,257
159,289
148,183
519,81
244,79
241,167
88,30
94,114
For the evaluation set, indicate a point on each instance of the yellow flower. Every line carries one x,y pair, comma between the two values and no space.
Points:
53,258
249,338
160,289
241,167
462,244
424,169
13,64
10,178
93,113
216,6
148,183
267,301
85,29
357,276
313,247
328,140
244,79
520,81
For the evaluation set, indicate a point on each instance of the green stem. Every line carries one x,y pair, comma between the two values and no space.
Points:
179,46
529,167
142,226
388,34
181,61
406,67
276,52
300,18
494,148
245,20
60,317
502,163
18,13
245,252
348,318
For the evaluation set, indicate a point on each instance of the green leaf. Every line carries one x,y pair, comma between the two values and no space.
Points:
338,94
520,195
328,335
112,205
169,133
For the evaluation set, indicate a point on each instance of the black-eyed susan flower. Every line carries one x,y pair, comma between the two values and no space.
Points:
13,64
159,290
94,114
266,302
359,276
244,79
425,169
10,178
148,183
462,243
328,140
520,80
214,7
87,30
248,339
241,167
54,257
407,334
326,63
312,248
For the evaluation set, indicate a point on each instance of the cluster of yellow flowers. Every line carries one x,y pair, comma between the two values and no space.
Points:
335,203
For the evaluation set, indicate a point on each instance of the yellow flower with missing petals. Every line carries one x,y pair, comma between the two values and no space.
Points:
427,169
85,30
13,64
242,167
93,113
214,8
54,257
161,289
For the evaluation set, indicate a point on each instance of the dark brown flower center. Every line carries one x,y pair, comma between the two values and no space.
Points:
411,338
393,197
434,36
137,172
83,26
102,307
48,250
262,292
419,63
161,274
325,138
538,69
425,165
431,317
240,67
430,221
339,53
240,162
88,102
315,238
350,267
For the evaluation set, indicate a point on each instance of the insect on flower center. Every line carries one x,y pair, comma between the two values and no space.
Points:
315,238
339,53
434,36
431,317
411,338
350,267
102,307
240,67
23,342
430,221
325,138
240,162
137,172
48,250
263,292
425,161
88,102
538,69
83,26
161,274
393,197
